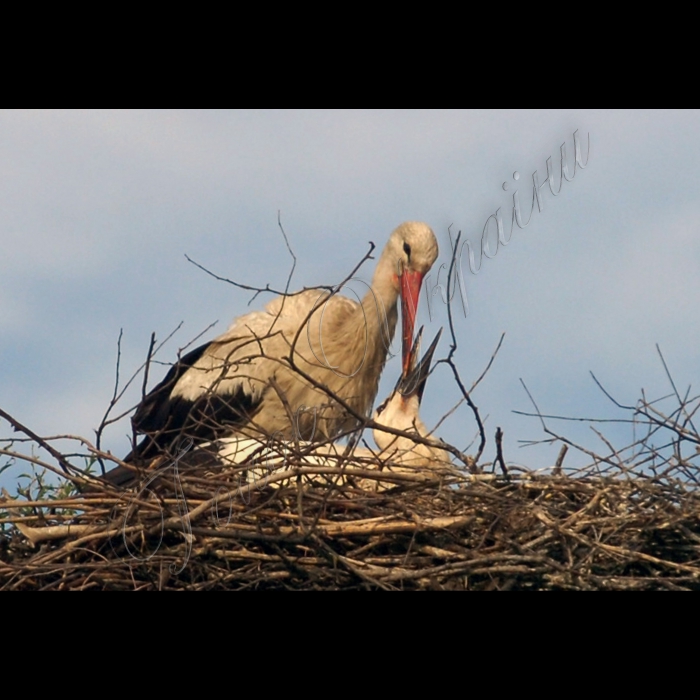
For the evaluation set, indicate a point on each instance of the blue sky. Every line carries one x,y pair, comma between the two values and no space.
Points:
99,209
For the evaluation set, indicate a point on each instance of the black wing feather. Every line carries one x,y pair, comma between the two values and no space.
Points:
152,413
166,420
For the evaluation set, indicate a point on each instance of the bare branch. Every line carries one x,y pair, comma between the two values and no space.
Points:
499,452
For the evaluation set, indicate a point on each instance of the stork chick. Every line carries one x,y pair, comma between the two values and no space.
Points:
401,411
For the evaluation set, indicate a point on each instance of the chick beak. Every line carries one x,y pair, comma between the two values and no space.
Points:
413,379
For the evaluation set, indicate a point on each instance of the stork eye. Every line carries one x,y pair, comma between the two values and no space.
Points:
407,250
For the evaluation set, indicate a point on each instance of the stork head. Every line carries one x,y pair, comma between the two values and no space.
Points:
415,249
401,409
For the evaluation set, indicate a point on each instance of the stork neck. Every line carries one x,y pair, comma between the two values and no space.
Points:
379,305
400,413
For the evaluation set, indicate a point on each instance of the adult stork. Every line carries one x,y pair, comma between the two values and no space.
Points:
277,371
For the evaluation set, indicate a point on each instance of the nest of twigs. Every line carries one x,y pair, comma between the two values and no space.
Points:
329,528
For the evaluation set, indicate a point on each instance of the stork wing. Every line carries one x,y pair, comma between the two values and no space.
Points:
152,412
163,416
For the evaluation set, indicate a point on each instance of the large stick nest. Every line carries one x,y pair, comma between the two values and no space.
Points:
198,530
629,520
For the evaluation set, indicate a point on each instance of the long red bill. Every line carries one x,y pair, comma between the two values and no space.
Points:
411,282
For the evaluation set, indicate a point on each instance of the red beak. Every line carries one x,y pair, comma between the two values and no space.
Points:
410,292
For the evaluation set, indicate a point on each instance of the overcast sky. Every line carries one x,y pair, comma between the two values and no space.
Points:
99,208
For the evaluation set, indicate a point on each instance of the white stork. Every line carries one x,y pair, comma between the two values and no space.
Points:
243,382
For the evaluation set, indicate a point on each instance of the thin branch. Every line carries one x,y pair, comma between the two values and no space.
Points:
560,460
488,366
499,452
16,425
